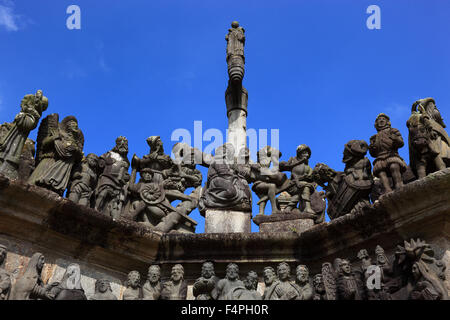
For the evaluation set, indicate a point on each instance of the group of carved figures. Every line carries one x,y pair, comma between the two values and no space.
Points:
104,182
413,273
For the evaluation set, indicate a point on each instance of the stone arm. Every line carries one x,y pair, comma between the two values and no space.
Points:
396,136
287,165
219,288
373,150
193,180
5,283
307,293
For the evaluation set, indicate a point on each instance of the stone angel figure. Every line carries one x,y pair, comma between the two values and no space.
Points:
60,147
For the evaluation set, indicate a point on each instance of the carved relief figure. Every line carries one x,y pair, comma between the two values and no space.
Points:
319,288
349,287
248,291
103,291
429,143
283,289
235,51
302,284
60,147
12,143
224,286
5,278
152,287
204,287
29,285
84,181
176,287
27,163
384,148
133,289
270,280
69,288
110,194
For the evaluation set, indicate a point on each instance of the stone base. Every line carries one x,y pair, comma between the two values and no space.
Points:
282,223
227,221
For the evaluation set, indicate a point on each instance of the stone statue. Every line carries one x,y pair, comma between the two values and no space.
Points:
60,147
224,188
84,181
5,278
29,285
103,291
319,288
231,280
133,289
152,287
204,287
176,287
348,286
384,148
429,143
302,184
269,181
424,274
69,288
270,280
12,143
110,193
248,291
347,191
282,289
302,284
235,51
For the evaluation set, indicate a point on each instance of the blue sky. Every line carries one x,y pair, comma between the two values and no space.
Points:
140,68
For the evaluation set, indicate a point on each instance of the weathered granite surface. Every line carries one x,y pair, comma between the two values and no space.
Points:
227,221
34,219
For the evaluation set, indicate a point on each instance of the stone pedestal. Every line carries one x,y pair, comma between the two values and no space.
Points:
227,221
283,223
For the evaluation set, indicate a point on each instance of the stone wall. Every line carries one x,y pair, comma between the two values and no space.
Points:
33,219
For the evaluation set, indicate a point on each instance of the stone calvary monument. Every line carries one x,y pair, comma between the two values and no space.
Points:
88,227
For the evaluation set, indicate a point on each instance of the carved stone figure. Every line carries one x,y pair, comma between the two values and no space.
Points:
60,147
84,181
348,286
302,185
231,280
152,287
248,292
429,143
204,287
110,193
319,288
269,181
270,280
176,287
69,288
347,191
282,289
5,278
103,291
12,143
424,274
235,51
29,285
384,148
224,188
302,284
133,289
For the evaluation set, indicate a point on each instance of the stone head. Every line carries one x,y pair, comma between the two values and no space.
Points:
318,283
302,273
134,279
269,275
251,281
121,145
102,286
303,153
92,160
154,274
283,271
232,272
208,270
177,273
345,267
146,175
382,121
